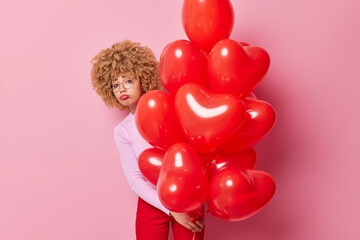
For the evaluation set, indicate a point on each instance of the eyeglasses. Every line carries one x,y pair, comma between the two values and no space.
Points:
126,83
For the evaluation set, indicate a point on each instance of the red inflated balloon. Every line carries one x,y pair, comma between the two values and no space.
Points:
207,21
243,159
207,119
181,62
183,183
163,51
237,194
156,120
259,119
206,54
251,96
150,162
235,69
244,44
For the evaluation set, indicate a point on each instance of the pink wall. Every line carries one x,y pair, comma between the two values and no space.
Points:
60,175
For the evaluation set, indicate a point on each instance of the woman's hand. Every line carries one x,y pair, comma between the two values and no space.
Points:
186,220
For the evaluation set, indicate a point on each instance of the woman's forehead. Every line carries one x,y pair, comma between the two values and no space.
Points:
122,75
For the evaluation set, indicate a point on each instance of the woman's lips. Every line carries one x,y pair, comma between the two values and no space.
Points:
123,97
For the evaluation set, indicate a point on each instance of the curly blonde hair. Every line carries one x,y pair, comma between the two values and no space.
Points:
124,57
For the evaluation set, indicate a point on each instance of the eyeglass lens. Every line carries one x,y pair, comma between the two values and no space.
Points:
127,83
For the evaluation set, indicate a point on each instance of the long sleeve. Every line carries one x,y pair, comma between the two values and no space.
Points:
129,162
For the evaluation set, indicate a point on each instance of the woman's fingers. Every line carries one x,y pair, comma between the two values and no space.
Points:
195,227
199,223
188,226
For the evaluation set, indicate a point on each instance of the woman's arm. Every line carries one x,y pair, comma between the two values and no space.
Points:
137,181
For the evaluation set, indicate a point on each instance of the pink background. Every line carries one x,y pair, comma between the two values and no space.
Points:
60,174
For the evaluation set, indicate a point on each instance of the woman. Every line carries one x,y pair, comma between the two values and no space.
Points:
120,75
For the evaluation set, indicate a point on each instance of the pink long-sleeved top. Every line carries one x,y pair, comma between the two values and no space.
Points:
130,144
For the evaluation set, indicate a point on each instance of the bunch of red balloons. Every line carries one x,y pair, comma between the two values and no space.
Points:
203,130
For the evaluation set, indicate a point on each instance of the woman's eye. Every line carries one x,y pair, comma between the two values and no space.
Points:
116,85
129,81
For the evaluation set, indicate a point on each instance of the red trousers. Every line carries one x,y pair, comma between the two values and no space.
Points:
153,224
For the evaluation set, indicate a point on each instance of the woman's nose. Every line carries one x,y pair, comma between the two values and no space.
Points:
122,89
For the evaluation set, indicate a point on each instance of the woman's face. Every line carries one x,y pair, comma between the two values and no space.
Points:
127,90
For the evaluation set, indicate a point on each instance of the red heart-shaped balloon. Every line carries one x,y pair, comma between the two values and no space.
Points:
150,162
183,183
207,119
250,96
156,120
207,21
259,120
244,44
181,62
235,69
246,158
237,194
